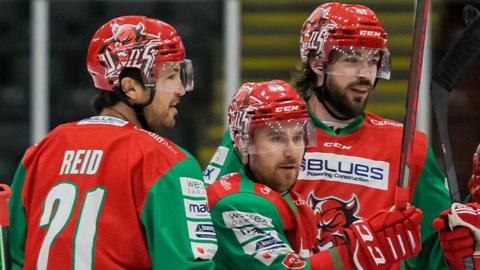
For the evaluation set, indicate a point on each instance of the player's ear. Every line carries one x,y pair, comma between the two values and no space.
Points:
133,89
317,68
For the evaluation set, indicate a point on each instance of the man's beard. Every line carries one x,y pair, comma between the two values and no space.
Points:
337,99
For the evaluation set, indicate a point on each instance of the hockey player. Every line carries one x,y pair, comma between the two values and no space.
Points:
107,192
262,224
353,170
459,226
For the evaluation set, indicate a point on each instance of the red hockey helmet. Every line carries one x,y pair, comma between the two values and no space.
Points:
274,104
344,27
136,42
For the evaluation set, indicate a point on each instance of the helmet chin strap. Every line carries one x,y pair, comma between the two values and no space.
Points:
139,108
320,93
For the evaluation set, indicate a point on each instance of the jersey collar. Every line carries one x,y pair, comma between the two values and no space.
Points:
346,130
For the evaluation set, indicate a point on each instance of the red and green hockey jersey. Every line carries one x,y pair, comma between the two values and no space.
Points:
353,174
258,228
103,194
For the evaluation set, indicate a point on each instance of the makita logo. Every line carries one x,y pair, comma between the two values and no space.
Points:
289,108
370,33
343,168
196,209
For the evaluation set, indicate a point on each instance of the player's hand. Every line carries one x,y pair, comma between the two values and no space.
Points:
388,237
458,230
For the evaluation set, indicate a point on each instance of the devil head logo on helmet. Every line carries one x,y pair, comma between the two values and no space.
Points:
133,42
333,215
127,33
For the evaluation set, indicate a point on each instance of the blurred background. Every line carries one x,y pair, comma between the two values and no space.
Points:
230,42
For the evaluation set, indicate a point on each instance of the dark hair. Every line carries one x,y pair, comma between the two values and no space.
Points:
303,77
105,99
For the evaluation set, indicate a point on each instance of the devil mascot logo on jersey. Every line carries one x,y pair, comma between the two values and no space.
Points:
332,215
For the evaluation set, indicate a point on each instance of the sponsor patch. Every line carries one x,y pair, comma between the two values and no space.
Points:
103,120
196,209
236,219
210,174
201,230
266,243
250,232
220,155
266,257
203,251
192,187
385,123
345,169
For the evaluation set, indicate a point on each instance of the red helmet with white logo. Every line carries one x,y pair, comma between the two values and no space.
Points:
267,103
135,42
335,26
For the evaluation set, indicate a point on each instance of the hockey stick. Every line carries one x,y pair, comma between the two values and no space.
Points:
461,53
402,193
457,58
4,221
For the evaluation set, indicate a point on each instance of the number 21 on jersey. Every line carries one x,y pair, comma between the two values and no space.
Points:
57,212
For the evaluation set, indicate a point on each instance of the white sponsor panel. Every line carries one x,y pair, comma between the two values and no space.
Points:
250,232
220,155
103,120
236,219
198,230
266,257
204,251
210,174
192,187
267,243
196,209
345,169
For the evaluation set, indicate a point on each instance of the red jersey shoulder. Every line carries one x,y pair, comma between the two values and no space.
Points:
152,140
374,120
380,124
51,136
144,140
224,186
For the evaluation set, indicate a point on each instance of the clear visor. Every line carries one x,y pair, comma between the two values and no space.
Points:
281,135
361,62
169,76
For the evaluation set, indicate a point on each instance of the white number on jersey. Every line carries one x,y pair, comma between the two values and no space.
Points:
57,211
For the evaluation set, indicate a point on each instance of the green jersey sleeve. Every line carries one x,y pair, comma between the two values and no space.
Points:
177,222
432,197
17,228
225,160
250,233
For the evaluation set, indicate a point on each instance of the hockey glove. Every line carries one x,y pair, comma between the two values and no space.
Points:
459,234
474,182
386,238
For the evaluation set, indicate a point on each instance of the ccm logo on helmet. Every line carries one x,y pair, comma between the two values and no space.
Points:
289,108
370,33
